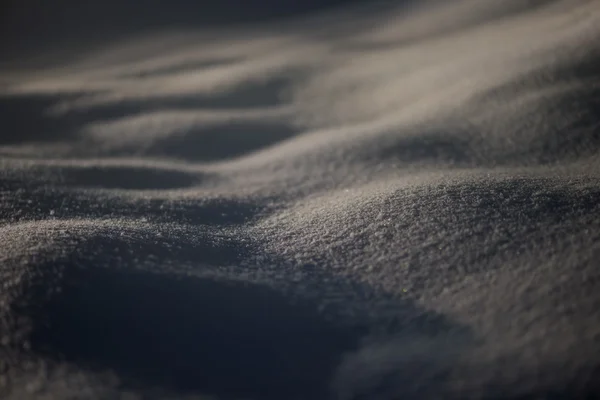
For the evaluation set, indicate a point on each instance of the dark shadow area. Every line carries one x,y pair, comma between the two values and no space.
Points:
222,142
26,119
28,25
583,384
128,177
192,335
247,96
26,201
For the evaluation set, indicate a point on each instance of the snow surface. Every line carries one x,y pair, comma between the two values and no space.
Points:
385,202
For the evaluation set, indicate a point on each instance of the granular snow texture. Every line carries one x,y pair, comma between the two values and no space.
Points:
384,202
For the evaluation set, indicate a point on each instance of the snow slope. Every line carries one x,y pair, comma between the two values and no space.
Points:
385,202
